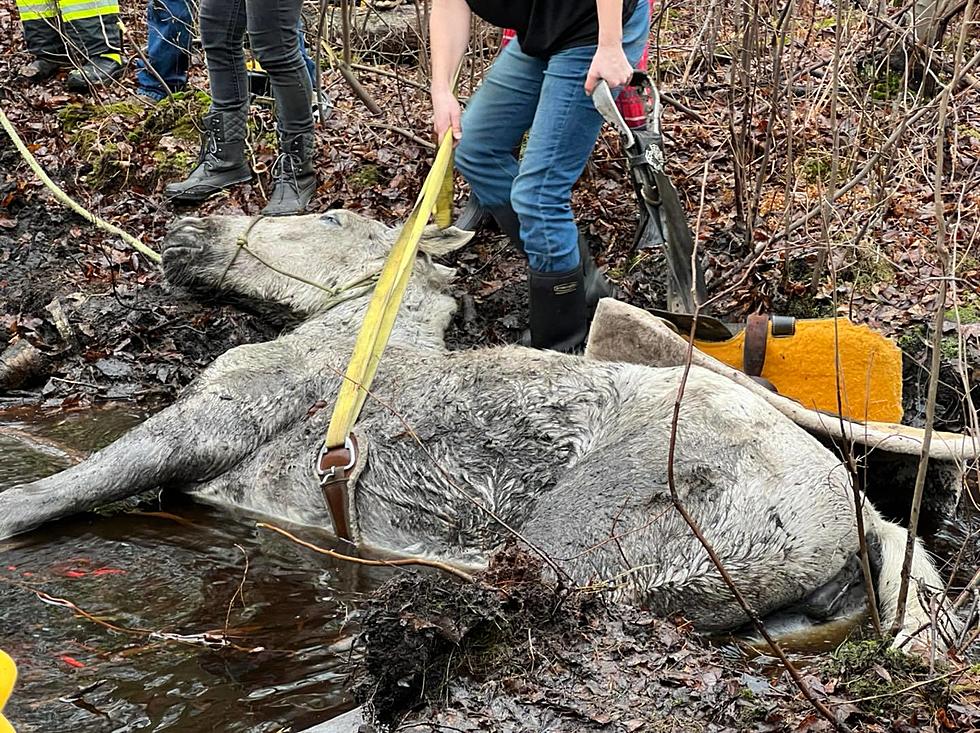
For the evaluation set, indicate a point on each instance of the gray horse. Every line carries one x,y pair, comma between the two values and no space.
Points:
460,449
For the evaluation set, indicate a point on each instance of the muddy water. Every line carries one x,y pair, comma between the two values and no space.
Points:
177,571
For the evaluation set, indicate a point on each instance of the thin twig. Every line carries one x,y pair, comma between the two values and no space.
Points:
405,133
463,575
940,316
716,560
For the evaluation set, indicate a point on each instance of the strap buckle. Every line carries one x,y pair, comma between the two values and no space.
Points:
333,466
330,460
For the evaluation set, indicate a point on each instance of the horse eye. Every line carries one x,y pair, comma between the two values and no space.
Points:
330,219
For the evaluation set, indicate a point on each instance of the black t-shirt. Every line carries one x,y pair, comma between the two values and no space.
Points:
546,26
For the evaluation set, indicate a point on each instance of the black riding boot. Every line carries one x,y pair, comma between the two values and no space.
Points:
558,313
221,162
293,176
597,285
473,217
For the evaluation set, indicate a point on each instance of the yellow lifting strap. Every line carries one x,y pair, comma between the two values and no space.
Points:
383,308
337,456
8,675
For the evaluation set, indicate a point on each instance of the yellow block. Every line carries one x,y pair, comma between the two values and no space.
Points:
8,675
802,367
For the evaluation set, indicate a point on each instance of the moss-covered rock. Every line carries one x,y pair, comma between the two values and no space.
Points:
106,138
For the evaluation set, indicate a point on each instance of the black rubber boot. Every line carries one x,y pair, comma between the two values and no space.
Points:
97,72
42,69
558,314
597,285
509,224
473,217
221,162
294,181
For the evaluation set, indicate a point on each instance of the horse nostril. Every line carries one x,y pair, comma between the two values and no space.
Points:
331,219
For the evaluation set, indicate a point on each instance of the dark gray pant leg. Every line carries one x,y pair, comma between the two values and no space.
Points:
94,37
223,38
44,40
272,33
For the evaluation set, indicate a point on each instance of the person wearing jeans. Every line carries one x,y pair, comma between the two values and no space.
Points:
272,30
170,28
540,85
630,105
168,49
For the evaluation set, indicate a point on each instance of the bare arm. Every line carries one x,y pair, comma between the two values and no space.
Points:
449,31
610,62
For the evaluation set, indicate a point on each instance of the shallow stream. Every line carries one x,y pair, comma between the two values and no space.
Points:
177,570
219,625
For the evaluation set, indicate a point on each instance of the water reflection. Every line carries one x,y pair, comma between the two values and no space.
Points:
177,570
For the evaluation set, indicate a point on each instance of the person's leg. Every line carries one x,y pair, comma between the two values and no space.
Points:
43,38
222,38
92,29
493,124
222,159
272,32
168,48
307,59
565,128
562,136
474,214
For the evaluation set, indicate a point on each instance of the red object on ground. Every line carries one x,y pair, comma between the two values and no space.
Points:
71,661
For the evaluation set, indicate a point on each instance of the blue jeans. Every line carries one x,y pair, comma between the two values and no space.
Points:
547,97
169,27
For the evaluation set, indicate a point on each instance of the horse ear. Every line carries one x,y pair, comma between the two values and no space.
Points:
436,241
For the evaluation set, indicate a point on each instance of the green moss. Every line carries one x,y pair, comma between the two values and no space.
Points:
106,137
816,168
968,131
808,306
870,268
949,348
873,669
72,115
365,177
108,166
967,309
912,339
967,263
178,116
888,85
173,165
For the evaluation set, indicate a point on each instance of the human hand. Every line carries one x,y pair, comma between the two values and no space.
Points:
446,115
609,64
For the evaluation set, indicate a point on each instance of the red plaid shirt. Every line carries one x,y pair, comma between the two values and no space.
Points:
629,102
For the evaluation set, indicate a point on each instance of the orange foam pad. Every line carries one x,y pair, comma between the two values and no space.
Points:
802,367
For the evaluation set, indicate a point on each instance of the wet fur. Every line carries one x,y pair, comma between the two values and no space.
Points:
566,450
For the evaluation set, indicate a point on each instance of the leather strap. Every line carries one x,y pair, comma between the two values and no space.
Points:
754,344
334,467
